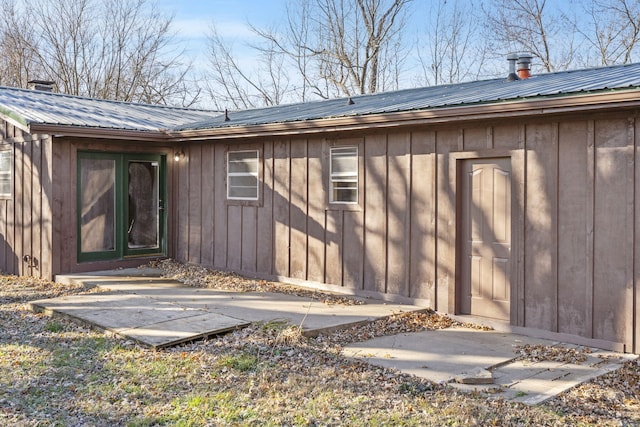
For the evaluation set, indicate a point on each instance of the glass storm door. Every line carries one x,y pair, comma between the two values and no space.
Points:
120,205
143,229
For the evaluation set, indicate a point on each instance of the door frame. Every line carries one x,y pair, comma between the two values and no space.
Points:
456,180
121,208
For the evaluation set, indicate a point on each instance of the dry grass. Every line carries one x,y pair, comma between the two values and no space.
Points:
58,373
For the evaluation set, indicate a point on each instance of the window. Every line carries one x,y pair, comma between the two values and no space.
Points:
344,175
242,175
5,173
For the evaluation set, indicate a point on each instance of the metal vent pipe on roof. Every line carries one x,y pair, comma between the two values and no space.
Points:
43,85
512,58
524,65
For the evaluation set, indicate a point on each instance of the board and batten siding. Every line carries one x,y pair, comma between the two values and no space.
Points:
575,258
294,232
25,217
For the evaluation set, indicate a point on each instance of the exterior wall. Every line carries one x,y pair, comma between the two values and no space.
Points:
63,201
574,258
294,232
25,218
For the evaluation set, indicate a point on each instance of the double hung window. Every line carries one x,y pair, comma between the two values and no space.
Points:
242,175
6,173
344,175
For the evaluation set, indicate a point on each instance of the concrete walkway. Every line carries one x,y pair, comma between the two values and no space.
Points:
457,354
156,312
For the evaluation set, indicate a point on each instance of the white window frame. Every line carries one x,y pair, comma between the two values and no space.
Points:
7,174
351,177
242,174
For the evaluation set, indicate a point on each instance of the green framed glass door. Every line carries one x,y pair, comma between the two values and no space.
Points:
121,200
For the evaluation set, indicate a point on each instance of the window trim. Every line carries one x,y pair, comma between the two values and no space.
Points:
335,178
255,174
8,151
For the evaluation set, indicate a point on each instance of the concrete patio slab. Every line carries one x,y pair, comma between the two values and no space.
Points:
159,313
442,355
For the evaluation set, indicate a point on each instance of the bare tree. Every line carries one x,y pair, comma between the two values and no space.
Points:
531,26
611,31
232,84
18,63
455,49
111,49
333,47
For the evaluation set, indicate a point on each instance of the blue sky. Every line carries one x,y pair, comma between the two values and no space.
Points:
193,18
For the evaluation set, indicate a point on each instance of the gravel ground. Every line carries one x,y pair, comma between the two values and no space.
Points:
54,372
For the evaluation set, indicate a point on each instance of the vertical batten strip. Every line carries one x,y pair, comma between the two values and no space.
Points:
490,142
630,225
436,228
590,211
410,237
363,198
522,300
635,342
518,161
555,135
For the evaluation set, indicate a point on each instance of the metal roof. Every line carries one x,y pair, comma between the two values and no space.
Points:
36,107
472,93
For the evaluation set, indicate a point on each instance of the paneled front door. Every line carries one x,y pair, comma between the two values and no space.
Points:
485,241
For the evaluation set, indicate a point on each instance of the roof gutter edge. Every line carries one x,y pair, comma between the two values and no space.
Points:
89,132
535,107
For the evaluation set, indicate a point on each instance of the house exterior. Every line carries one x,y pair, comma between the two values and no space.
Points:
506,200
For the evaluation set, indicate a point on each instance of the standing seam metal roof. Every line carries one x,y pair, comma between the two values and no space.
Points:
472,93
36,107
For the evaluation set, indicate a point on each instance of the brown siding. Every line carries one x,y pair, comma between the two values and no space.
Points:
375,216
207,185
541,227
195,189
298,209
574,192
573,243
281,214
316,213
423,214
220,208
398,237
25,218
265,227
613,225
575,250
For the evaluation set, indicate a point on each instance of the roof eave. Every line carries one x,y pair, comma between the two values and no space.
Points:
102,133
496,110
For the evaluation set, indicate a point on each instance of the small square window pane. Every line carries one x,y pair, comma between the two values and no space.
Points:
243,181
243,162
5,186
344,164
243,193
